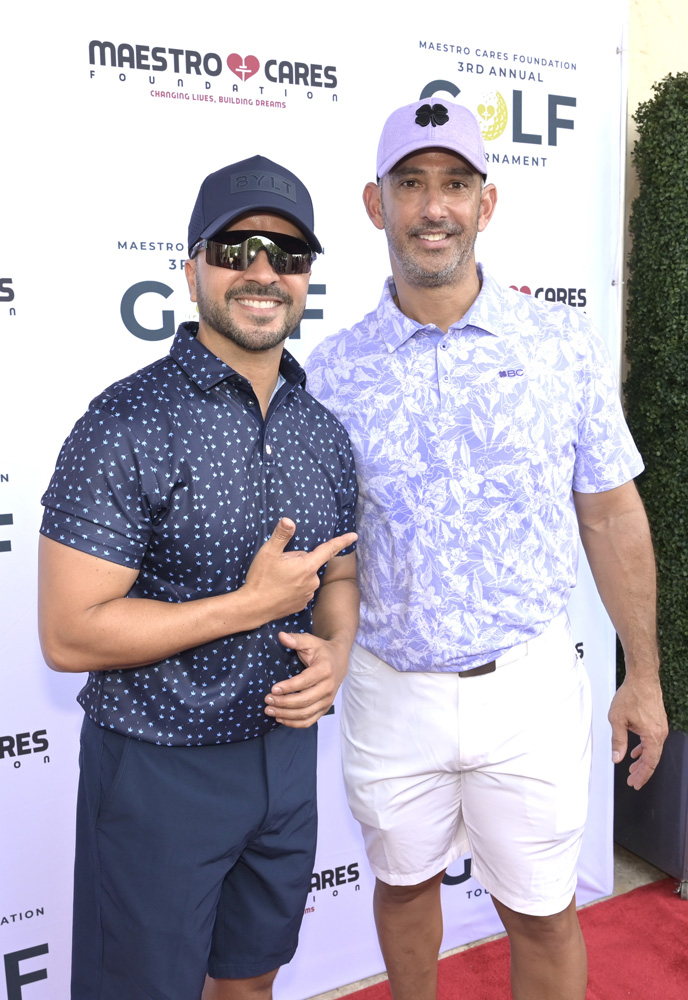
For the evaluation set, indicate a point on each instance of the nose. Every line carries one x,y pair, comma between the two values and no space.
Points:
434,205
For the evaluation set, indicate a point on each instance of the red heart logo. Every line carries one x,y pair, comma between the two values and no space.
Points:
243,66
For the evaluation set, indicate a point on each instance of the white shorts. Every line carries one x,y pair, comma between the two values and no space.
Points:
436,765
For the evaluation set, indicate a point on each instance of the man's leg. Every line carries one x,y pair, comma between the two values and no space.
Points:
548,958
255,988
409,928
525,806
399,756
149,866
262,901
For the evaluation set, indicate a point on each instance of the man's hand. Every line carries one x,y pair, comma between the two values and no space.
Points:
300,701
284,582
638,707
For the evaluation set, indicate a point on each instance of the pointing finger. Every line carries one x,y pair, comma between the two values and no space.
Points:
326,550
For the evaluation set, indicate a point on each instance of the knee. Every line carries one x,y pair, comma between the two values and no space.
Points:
400,894
549,931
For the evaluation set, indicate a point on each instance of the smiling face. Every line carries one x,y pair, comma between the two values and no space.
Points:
432,206
256,309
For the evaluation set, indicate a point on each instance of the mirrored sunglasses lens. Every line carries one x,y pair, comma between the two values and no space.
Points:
239,256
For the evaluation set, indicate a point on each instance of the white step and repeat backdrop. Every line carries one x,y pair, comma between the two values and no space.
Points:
111,117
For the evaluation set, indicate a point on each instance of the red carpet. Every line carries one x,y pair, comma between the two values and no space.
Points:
637,948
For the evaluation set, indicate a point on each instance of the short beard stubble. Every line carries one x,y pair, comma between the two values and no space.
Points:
421,274
249,338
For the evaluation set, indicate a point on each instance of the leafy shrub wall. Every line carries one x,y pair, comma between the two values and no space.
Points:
657,351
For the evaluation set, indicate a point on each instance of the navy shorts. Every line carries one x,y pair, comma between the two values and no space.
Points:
189,860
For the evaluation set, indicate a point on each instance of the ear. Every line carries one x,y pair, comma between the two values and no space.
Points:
488,203
372,197
190,272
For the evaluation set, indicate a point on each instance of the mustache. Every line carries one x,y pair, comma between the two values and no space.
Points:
448,229
255,291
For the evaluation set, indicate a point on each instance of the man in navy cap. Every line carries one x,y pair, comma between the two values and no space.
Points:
488,432
188,564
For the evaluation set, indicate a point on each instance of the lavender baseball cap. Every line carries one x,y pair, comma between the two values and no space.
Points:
431,123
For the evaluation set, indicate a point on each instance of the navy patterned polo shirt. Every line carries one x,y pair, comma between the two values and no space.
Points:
174,472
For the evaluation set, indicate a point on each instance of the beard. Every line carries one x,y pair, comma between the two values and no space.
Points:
250,336
416,262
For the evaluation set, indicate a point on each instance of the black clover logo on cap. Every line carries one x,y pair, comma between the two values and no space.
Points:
435,115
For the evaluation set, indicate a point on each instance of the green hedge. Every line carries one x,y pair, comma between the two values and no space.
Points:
657,351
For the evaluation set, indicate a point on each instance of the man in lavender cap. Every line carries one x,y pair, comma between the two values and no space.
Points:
488,435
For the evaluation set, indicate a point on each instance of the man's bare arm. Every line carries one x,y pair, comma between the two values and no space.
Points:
86,621
301,700
616,538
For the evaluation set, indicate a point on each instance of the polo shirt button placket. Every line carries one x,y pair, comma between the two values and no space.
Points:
442,364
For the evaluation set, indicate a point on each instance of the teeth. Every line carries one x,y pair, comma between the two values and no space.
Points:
258,303
433,236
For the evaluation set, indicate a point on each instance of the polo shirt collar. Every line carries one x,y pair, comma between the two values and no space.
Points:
207,370
484,314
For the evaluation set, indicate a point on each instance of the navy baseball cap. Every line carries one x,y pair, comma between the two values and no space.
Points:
254,185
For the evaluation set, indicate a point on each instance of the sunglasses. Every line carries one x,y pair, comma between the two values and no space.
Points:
237,251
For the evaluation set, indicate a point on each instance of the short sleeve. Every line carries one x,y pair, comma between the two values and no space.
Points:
348,495
606,455
98,500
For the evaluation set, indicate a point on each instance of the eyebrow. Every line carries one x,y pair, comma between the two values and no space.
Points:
457,171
